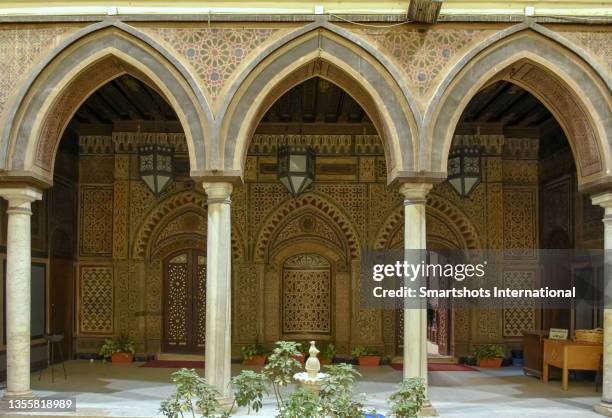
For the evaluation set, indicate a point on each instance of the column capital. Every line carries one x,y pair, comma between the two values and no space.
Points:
218,191
603,199
415,192
18,196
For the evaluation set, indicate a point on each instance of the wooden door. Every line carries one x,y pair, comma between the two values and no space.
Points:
61,289
185,303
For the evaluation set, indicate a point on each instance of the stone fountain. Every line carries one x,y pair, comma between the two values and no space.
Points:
311,378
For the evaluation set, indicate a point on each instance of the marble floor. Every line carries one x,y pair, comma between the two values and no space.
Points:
113,390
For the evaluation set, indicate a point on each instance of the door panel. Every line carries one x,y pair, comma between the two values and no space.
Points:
200,301
185,303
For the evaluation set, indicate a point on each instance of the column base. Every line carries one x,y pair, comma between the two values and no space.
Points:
226,402
28,394
603,408
428,410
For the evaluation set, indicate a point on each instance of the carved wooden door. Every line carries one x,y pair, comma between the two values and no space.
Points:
185,303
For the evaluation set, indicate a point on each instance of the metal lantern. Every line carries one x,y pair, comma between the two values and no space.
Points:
296,168
155,166
464,168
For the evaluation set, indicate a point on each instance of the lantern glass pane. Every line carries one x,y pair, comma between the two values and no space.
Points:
296,183
472,165
470,182
298,163
162,181
457,184
146,162
307,182
150,182
454,166
164,163
285,181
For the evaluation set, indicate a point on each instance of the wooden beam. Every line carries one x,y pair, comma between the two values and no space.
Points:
118,83
295,128
424,11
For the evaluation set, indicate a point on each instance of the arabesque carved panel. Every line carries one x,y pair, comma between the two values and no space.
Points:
96,217
96,300
306,299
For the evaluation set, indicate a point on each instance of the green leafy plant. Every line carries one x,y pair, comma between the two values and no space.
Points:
301,403
107,349
408,400
361,351
249,389
335,399
281,367
190,386
125,344
251,350
489,351
329,351
122,344
336,394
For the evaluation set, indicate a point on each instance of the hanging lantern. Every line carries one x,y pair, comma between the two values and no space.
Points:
296,168
464,168
155,166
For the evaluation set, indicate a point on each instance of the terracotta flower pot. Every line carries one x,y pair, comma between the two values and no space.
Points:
369,361
300,358
259,360
122,358
491,363
325,361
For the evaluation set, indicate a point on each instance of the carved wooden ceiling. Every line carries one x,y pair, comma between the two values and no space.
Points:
503,106
316,100
124,98
315,106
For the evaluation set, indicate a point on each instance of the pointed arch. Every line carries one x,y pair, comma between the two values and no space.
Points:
567,85
170,209
463,230
76,69
319,205
323,53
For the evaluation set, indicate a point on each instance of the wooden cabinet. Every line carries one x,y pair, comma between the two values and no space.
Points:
570,355
533,349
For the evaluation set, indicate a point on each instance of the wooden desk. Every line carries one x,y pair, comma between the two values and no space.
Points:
533,352
570,355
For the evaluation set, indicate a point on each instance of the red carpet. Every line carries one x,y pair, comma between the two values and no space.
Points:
174,364
440,367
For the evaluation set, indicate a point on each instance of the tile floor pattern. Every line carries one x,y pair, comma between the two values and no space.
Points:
111,390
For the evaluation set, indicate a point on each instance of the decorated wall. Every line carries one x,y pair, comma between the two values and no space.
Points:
296,261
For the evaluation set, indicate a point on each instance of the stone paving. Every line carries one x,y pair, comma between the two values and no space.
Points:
112,390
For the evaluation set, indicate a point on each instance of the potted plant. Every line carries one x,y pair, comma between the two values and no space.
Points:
193,394
301,357
327,354
490,355
253,355
365,356
120,350
408,400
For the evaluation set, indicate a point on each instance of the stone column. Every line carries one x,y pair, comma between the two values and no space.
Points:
18,285
605,406
219,289
415,320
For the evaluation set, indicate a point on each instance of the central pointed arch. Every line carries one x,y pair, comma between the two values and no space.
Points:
321,53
